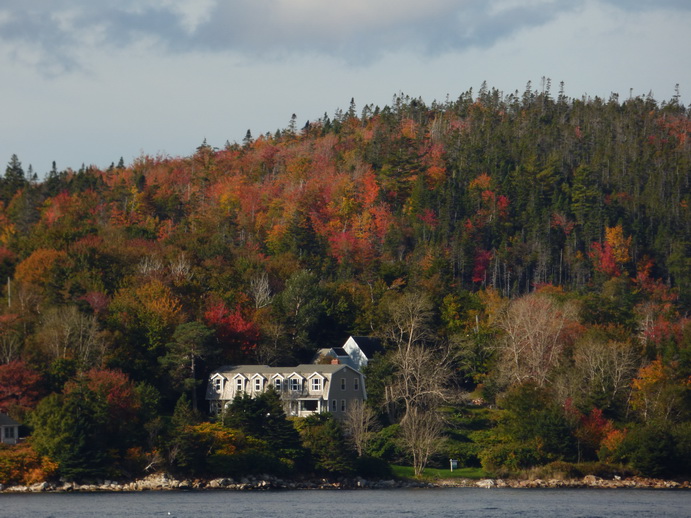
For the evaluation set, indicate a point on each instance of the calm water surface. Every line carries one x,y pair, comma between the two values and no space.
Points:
433,503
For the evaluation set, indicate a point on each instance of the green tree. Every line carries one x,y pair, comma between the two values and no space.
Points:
14,179
191,343
323,438
66,430
265,419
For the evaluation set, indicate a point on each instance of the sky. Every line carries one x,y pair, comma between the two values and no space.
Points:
91,81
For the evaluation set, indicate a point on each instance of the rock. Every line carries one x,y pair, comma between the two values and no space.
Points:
486,483
591,480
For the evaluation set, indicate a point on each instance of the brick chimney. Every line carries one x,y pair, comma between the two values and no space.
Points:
335,361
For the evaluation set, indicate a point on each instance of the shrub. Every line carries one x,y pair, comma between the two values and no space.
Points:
373,468
559,470
21,464
652,451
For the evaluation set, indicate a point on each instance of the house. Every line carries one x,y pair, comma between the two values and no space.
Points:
356,352
9,429
306,389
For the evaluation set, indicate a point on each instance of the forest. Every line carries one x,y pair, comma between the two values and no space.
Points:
525,259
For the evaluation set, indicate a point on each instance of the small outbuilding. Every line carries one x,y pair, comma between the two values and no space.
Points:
9,430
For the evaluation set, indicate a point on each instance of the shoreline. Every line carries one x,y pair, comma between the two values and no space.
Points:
164,482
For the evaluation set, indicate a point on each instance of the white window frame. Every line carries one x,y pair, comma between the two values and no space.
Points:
239,385
217,384
316,384
278,384
295,384
258,384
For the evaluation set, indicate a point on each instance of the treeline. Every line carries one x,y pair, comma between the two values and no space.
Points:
531,249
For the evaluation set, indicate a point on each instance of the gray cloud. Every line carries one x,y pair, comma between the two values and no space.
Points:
52,32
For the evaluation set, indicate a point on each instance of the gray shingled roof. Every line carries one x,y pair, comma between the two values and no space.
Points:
6,420
306,368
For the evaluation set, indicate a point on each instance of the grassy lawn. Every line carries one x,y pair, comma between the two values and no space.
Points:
435,474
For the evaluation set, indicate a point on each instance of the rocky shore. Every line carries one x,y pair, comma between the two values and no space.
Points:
164,482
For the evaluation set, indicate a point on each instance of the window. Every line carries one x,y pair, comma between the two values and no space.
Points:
343,383
277,384
257,384
294,384
356,384
343,405
334,405
217,384
316,384
9,432
239,385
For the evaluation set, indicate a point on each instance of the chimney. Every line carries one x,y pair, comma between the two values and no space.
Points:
335,361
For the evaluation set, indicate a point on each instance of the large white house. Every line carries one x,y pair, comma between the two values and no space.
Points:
306,389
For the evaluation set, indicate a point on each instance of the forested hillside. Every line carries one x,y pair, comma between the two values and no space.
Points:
531,249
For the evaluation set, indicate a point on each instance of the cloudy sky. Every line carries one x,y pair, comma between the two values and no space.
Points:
90,81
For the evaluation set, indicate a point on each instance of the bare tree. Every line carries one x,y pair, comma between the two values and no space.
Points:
10,345
606,367
421,379
409,321
260,290
68,333
181,268
149,266
537,332
421,432
359,425
271,349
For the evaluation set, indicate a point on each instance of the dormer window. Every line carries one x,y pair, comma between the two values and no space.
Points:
239,385
278,384
217,384
294,384
316,384
257,384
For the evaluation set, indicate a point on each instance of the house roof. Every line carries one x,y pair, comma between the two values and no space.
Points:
303,369
6,420
368,344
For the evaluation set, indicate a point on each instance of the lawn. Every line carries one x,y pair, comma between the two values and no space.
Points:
436,474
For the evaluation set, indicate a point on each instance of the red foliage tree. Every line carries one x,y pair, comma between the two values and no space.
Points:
236,334
20,387
114,388
482,260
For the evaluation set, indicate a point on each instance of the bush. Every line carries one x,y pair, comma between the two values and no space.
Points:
559,470
20,464
384,445
652,451
373,468
249,462
508,457
682,437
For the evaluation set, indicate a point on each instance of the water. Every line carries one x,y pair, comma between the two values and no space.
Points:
433,503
